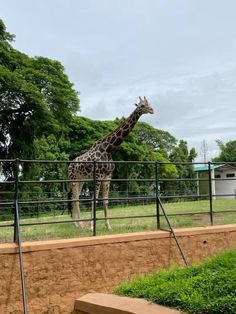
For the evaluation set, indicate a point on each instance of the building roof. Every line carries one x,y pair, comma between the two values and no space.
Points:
204,167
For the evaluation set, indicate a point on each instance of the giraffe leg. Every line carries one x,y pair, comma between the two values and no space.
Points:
98,186
105,190
76,188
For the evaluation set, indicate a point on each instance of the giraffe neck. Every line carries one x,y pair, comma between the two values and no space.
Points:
110,142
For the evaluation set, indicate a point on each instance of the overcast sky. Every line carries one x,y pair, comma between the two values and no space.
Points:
180,54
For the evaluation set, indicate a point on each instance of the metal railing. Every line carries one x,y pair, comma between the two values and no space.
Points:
17,182
158,195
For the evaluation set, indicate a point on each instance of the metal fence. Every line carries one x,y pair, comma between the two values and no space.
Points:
22,195
19,192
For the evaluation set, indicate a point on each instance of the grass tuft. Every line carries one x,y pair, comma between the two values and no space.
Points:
208,288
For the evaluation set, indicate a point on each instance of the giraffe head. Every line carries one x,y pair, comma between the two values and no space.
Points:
143,106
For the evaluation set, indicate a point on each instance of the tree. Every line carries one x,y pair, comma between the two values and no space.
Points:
83,132
227,151
182,155
37,99
160,140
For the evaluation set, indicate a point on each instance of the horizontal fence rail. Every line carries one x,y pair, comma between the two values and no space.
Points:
33,201
22,183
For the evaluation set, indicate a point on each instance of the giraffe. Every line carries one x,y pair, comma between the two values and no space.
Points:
100,151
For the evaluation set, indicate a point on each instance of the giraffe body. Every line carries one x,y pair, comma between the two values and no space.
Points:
82,166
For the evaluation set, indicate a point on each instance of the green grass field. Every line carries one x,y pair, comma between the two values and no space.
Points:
68,230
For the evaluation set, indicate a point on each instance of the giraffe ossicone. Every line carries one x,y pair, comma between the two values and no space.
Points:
102,151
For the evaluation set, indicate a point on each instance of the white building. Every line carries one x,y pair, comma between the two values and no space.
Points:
223,180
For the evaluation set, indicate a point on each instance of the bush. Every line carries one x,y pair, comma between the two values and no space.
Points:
209,288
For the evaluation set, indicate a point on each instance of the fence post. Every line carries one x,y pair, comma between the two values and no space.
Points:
17,235
127,186
94,197
210,192
16,196
157,197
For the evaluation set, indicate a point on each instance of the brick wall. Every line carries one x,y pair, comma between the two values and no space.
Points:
60,271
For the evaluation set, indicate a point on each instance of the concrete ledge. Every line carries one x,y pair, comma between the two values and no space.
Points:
100,303
46,245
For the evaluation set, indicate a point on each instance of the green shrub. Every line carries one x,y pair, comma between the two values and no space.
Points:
208,288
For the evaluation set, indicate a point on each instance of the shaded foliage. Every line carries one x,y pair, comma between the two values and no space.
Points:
37,99
227,151
181,154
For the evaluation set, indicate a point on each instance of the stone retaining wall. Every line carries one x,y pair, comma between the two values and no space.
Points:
60,271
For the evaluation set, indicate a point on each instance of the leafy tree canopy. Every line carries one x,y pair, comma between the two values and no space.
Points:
36,96
84,132
159,140
227,151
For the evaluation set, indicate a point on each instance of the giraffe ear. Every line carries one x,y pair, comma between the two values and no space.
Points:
136,105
